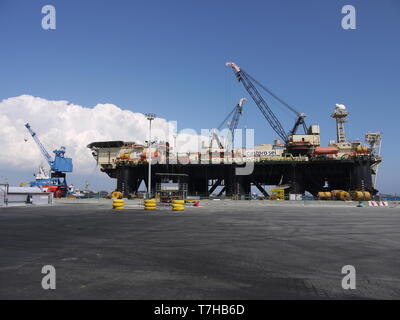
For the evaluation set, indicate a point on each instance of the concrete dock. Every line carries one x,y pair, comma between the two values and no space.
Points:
221,250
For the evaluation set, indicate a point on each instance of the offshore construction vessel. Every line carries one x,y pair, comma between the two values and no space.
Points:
343,170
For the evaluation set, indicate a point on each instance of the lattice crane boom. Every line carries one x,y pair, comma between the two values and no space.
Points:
235,118
269,115
40,145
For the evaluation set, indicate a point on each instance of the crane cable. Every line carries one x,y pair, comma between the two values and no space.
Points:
226,119
271,93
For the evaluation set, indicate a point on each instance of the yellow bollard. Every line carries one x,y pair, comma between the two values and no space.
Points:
118,204
150,204
344,196
367,196
178,205
116,195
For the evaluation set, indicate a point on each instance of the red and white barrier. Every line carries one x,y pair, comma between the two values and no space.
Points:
378,203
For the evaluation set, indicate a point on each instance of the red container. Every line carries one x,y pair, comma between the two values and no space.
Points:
326,150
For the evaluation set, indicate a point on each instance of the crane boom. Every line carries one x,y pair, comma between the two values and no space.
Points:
235,119
233,116
41,147
215,137
274,122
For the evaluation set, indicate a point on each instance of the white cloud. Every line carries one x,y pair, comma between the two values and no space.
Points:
60,123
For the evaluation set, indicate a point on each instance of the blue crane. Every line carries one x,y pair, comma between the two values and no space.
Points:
60,163
59,166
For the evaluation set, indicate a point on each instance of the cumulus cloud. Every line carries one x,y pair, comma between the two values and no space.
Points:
60,123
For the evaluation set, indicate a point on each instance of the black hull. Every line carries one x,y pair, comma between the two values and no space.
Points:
300,176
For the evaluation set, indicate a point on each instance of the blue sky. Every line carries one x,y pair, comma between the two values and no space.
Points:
168,57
